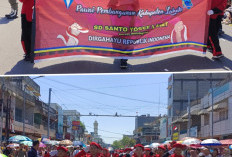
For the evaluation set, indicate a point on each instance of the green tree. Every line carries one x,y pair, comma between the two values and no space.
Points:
123,143
117,145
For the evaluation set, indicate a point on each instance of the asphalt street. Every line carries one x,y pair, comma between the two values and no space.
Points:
12,56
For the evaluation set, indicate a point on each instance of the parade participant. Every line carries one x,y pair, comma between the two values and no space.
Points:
127,152
217,9
147,152
178,150
34,148
14,10
105,152
26,24
62,152
160,151
76,150
90,151
139,148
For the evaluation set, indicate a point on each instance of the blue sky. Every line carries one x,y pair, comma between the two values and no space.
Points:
129,94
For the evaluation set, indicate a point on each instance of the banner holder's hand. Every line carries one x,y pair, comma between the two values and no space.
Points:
210,12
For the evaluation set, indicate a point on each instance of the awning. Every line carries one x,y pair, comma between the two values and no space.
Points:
203,111
180,121
218,107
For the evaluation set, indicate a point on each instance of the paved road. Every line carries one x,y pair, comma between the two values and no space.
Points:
12,57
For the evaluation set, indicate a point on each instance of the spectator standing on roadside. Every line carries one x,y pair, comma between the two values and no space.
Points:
14,10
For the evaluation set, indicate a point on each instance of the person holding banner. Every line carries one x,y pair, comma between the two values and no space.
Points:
217,9
26,23
129,5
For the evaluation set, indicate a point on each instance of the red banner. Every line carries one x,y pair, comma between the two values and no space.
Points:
77,123
119,28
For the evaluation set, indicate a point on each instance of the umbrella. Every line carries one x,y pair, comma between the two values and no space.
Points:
78,143
230,147
42,145
19,138
2,155
27,143
226,142
66,142
167,142
147,146
211,142
154,145
46,141
185,138
13,145
191,141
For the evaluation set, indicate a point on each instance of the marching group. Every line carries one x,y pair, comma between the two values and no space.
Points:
172,149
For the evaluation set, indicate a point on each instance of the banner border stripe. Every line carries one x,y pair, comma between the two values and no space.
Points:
117,50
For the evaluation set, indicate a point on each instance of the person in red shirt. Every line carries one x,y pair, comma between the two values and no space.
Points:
105,152
147,152
178,150
127,152
62,152
26,23
94,150
139,148
160,151
217,9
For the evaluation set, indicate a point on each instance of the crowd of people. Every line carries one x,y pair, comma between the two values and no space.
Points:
172,149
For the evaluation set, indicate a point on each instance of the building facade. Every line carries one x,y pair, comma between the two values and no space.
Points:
179,86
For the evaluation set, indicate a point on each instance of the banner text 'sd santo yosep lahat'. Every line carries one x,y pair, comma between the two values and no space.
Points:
119,28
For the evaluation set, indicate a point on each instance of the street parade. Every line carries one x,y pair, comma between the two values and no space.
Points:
21,146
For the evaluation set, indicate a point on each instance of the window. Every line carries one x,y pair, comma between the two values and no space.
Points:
18,115
170,93
223,115
206,119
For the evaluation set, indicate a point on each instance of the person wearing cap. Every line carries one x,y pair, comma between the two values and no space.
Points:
217,9
178,150
62,152
147,152
105,152
76,150
127,152
90,151
160,151
139,148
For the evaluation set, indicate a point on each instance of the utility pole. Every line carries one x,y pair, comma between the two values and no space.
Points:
49,103
7,124
212,123
189,114
24,108
2,104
